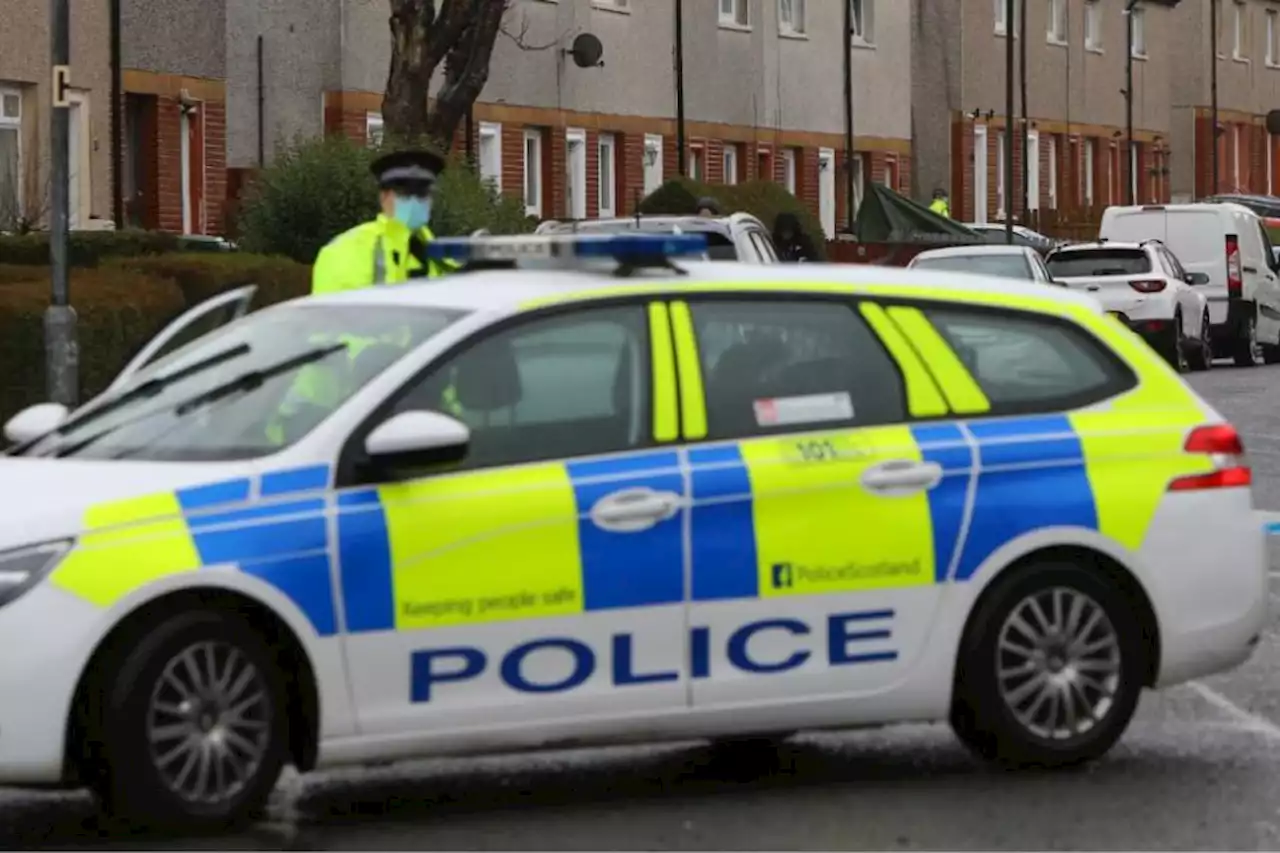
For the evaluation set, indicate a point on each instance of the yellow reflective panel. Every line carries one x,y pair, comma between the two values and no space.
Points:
665,424
127,544
923,398
820,530
693,403
486,546
957,382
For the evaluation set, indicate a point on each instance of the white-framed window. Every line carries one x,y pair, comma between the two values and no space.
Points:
652,162
1138,21
1000,193
1057,33
1239,36
1002,22
607,177
693,167
859,181
490,154
1271,38
10,157
575,173
730,163
789,169
373,129
533,172
1090,151
791,17
735,13
863,15
1051,154
1093,25
764,164
1033,170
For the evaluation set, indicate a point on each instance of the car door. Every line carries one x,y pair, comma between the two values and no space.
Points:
539,581
1269,283
1190,301
823,520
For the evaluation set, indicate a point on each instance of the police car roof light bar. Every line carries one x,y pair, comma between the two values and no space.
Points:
631,251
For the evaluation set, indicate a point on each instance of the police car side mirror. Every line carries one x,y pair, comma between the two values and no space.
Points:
34,421
418,438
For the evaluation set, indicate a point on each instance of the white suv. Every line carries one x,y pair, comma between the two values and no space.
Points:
1145,285
737,237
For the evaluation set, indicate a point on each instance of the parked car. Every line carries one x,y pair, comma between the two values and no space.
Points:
1145,286
1225,241
737,237
1022,236
1020,262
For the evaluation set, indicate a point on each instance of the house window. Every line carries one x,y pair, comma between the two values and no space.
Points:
373,129
607,182
652,162
789,170
862,14
1137,21
1090,147
1051,154
764,165
730,163
1271,37
791,17
859,181
890,177
533,172
1093,25
10,158
1238,33
734,13
694,166
1000,155
491,154
1002,23
1058,21
1236,157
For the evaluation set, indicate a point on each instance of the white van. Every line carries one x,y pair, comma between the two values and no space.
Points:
1228,243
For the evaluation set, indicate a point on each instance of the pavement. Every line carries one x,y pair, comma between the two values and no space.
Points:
1199,769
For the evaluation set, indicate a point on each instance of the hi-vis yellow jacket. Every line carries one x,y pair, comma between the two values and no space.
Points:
374,252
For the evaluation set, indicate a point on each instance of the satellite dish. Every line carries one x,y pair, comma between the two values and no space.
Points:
1273,122
587,51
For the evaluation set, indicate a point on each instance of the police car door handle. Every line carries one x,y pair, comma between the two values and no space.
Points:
902,475
633,510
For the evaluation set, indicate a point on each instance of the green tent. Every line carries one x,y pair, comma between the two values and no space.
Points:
888,217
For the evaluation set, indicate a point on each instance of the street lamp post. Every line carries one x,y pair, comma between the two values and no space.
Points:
681,165
1213,89
1009,35
1128,100
61,351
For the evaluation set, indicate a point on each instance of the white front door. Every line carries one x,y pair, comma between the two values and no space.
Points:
184,136
827,190
576,174
75,142
1033,170
980,174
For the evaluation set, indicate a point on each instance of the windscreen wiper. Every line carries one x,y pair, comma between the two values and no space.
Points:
246,381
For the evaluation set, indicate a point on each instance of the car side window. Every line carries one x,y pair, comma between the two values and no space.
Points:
1031,363
1173,264
779,366
554,387
1267,252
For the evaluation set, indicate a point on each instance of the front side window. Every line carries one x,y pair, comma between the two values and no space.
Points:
1001,266
248,389
551,388
1028,363
1098,262
772,366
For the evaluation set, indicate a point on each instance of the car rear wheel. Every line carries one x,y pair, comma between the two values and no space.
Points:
1050,668
1200,353
1176,348
194,729
1248,352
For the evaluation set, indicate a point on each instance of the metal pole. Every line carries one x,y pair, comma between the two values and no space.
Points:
1128,102
262,106
1010,7
1023,133
1213,89
61,355
846,48
117,123
681,165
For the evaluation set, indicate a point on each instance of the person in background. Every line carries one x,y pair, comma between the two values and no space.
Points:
708,206
793,245
940,205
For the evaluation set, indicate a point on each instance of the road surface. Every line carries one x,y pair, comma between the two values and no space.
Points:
1199,769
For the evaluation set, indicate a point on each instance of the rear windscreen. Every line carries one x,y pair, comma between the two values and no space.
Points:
1004,266
720,247
1098,262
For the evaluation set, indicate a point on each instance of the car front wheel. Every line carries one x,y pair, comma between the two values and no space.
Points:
194,729
1050,669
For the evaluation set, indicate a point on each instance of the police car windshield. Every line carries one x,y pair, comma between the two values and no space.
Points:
258,417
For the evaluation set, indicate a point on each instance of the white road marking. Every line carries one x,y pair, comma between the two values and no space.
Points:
1245,719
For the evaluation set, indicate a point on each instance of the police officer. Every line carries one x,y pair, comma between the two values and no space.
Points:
940,205
392,247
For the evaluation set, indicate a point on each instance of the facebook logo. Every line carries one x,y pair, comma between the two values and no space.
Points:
781,575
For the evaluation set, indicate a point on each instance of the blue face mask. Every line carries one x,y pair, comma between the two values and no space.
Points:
413,211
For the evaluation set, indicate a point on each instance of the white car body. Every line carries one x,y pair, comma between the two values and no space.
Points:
750,241
955,258
1202,565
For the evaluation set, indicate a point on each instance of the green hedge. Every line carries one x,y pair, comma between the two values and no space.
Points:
762,199
89,248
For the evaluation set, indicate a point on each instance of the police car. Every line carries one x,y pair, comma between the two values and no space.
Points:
583,492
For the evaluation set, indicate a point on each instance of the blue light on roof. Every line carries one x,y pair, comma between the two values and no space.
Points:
619,247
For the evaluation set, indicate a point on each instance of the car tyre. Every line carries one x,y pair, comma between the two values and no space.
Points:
1201,354
198,703
1248,352
1176,348
1002,707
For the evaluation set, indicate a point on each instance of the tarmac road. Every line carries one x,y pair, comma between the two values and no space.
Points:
1199,769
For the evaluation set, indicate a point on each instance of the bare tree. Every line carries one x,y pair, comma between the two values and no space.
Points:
24,195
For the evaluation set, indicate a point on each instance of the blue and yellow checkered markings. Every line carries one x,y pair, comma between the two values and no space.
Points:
1033,476
946,445
724,557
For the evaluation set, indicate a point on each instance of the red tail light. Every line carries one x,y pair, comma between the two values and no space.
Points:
1235,284
1222,443
1151,286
